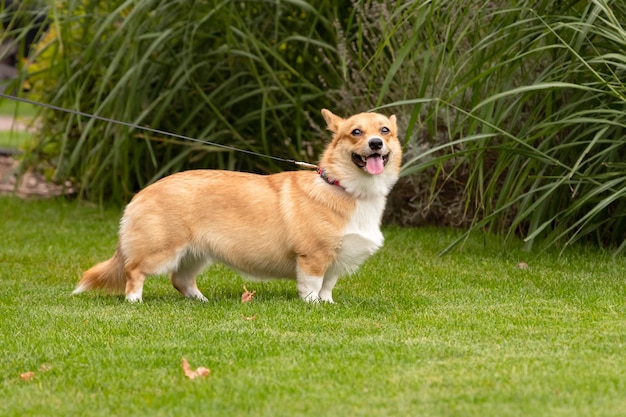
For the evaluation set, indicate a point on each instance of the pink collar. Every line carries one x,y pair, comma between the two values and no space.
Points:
325,177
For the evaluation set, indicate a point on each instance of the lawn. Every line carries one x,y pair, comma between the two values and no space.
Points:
412,334
14,138
10,107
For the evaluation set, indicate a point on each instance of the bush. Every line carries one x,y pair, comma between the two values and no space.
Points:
513,114
238,73
545,158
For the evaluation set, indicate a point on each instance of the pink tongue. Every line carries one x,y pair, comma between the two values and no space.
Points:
375,165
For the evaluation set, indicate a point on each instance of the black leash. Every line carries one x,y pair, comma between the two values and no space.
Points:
157,131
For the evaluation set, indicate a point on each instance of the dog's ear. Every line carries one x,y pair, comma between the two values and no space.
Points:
332,121
393,121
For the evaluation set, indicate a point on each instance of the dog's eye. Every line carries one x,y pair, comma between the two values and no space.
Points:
384,130
356,132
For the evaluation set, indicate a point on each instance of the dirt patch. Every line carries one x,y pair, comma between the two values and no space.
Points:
29,184
8,123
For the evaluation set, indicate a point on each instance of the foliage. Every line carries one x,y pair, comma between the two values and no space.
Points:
236,73
513,114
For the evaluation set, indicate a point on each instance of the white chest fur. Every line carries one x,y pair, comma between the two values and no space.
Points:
362,236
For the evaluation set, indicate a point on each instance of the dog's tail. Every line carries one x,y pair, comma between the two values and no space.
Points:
108,275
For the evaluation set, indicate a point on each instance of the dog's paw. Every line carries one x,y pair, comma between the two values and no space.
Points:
326,297
309,287
198,297
311,297
133,299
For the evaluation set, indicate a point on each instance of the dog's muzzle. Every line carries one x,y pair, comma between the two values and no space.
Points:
374,159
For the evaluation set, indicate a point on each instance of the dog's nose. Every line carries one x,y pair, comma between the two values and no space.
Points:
375,144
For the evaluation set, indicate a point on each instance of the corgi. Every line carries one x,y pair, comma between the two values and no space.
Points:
312,227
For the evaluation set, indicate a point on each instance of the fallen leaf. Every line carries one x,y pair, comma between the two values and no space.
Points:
45,367
191,374
248,318
522,265
27,376
247,296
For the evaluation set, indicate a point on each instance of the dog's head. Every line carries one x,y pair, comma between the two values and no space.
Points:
365,146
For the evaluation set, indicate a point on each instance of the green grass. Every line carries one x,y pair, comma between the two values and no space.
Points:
14,108
468,334
15,139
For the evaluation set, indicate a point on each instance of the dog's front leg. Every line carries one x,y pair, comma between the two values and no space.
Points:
310,278
309,287
326,293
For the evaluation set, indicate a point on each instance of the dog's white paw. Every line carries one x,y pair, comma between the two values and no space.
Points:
133,298
309,288
199,297
195,294
311,297
327,297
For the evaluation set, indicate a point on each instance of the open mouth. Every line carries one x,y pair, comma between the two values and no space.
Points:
373,163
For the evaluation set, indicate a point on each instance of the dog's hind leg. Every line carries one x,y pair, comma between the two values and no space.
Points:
184,278
134,284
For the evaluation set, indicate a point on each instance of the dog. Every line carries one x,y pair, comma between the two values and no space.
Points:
304,225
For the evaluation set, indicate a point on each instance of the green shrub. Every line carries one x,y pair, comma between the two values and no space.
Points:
513,115
243,74
545,157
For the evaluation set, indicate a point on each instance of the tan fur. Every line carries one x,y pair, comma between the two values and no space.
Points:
287,225
108,275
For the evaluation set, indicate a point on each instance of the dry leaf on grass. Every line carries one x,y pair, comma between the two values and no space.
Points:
191,374
27,376
248,318
247,296
522,265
